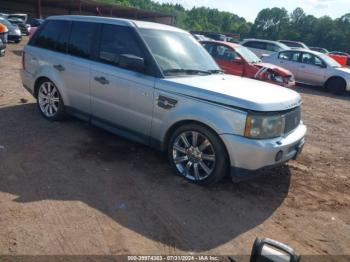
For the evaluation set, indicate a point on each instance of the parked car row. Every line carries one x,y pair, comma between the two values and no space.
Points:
13,26
157,85
282,62
238,60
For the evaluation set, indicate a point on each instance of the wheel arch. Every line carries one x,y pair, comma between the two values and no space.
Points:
56,82
335,77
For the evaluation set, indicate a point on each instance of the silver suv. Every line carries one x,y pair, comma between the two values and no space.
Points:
156,85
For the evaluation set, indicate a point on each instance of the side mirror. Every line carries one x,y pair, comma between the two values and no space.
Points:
268,250
238,60
131,62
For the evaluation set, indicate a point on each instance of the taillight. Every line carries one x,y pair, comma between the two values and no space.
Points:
23,60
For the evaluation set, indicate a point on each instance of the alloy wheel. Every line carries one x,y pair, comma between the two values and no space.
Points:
193,155
49,99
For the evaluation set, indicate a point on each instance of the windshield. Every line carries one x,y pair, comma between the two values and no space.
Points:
329,61
248,55
178,52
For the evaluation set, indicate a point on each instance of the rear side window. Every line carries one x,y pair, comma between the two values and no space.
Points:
115,41
81,38
256,44
48,37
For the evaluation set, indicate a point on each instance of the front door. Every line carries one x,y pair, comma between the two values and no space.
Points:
122,99
312,70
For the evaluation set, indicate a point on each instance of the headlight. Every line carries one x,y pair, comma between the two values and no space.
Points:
264,126
17,31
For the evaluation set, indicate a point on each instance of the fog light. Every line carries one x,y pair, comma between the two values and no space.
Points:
279,156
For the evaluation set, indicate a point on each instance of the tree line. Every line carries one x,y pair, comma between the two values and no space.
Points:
271,23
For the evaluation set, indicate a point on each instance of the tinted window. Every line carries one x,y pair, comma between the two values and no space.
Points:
49,36
115,41
62,41
81,37
255,44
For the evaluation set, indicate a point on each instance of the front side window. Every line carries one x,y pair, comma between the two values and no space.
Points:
178,52
115,41
81,38
311,59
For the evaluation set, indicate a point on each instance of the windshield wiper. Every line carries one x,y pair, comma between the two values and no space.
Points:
217,71
186,71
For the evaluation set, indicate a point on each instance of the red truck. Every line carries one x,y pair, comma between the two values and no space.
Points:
238,60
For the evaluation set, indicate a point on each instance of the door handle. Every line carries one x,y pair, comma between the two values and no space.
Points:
101,80
59,67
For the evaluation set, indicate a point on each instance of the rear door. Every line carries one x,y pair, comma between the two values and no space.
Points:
291,61
77,67
122,98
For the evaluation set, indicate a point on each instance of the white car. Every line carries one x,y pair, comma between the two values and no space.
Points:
264,47
313,68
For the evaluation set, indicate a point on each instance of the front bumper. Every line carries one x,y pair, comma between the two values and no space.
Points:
14,38
248,156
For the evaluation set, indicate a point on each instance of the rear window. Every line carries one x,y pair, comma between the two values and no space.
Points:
81,37
48,37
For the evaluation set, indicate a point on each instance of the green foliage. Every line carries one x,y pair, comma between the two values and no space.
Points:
271,23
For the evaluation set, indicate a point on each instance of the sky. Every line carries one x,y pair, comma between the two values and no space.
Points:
250,8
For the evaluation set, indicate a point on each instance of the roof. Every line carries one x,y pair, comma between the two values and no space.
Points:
117,21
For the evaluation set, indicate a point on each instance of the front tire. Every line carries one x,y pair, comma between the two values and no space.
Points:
49,101
198,154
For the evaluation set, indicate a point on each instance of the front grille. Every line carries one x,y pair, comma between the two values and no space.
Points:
292,120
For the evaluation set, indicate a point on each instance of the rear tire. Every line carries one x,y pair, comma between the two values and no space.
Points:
336,85
197,154
49,101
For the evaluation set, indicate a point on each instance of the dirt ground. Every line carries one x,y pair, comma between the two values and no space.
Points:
70,188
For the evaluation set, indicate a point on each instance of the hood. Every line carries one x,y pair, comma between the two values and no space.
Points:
234,91
280,70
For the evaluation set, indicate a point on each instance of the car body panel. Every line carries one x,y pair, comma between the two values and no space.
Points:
236,91
128,95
